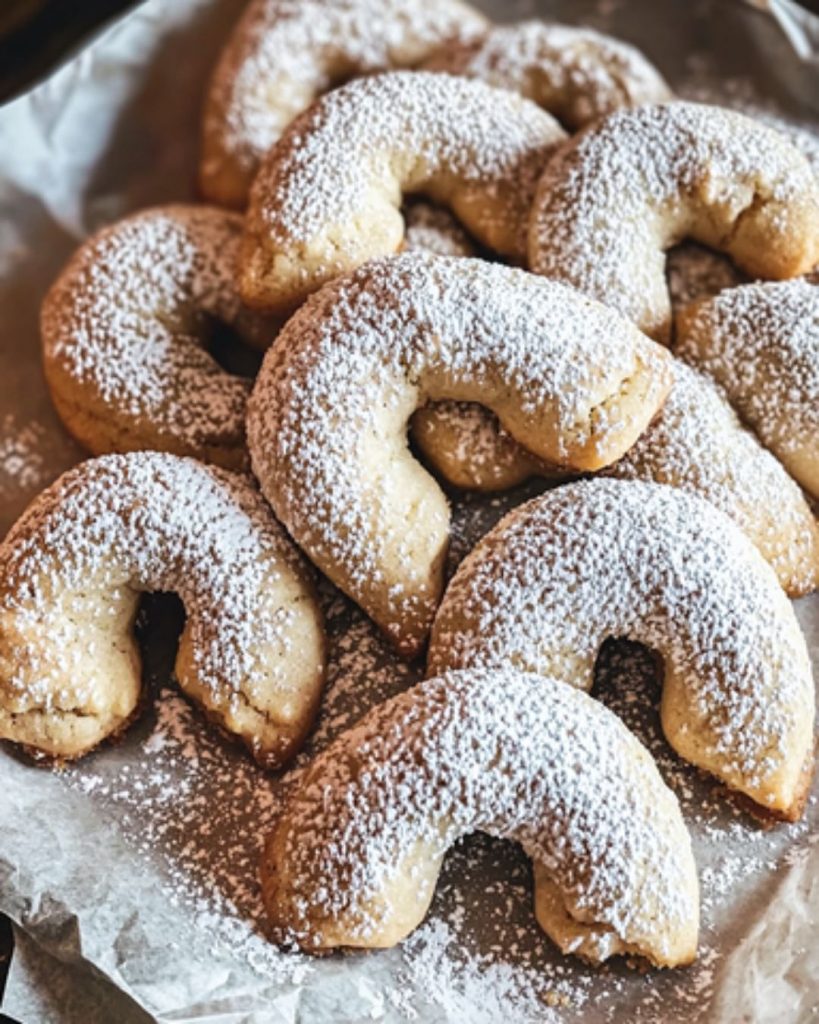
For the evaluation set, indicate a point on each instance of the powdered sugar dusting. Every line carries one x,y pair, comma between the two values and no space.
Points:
761,343
611,203
698,444
438,129
22,459
498,751
186,793
481,991
703,86
576,74
120,524
283,54
125,331
695,272
433,229
467,438
654,564
327,418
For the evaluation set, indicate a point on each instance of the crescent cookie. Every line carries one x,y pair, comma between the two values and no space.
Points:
283,54
71,572
327,197
356,853
125,330
327,420
576,74
615,197
760,342
656,565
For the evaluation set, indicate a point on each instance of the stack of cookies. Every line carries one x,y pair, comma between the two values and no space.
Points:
446,241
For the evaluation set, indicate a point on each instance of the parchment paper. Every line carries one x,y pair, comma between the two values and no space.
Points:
131,877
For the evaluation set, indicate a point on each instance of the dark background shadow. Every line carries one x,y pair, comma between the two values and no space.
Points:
36,35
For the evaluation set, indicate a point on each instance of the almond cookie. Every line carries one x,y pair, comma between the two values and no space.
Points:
760,342
356,853
327,420
576,74
125,332
620,193
698,444
71,572
653,564
328,195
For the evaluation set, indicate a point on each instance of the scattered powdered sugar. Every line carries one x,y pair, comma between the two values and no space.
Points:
22,460
611,202
327,418
196,809
655,564
479,955
125,330
760,342
199,807
73,565
285,53
339,160
481,991
576,74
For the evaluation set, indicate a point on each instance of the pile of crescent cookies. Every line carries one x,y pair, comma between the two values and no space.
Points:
449,240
